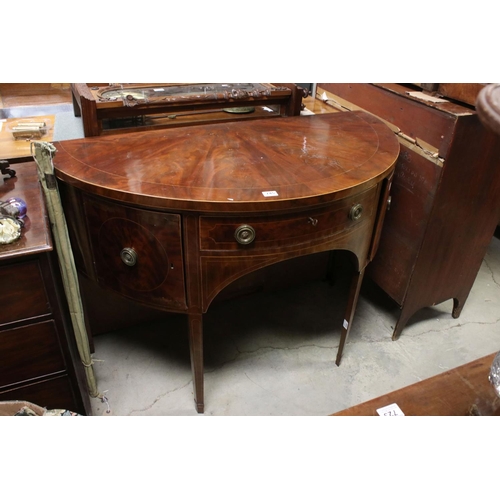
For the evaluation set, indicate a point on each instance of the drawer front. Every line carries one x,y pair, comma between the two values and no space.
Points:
137,253
22,292
29,352
277,233
53,394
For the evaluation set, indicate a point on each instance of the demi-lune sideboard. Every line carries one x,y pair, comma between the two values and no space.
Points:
170,217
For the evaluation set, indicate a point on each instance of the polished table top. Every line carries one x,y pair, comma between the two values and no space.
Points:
20,149
262,165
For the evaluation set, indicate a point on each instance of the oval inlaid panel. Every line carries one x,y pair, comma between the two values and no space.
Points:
152,265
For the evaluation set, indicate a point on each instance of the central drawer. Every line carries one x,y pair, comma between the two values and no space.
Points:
234,234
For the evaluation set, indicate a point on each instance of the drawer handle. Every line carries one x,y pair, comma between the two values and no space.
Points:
129,256
244,234
356,211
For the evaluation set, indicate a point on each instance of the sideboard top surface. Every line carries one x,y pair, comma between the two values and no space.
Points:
262,165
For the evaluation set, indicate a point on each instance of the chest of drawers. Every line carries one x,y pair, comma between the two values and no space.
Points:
38,358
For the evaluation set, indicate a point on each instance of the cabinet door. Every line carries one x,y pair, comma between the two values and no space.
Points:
412,195
137,253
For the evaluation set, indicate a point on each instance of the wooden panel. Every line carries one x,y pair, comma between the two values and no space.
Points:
28,352
158,276
22,292
412,194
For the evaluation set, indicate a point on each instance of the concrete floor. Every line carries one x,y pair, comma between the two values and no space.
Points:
274,353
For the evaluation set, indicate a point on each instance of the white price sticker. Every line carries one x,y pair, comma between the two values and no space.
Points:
392,410
269,193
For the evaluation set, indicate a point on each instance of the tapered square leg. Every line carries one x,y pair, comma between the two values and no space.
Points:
195,322
356,282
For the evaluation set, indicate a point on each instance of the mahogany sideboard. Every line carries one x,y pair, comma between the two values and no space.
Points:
170,217
111,108
445,199
39,361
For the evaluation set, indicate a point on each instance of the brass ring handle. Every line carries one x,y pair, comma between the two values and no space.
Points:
355,212
129,256
244,234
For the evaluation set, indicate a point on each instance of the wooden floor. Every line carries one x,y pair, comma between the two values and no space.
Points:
30,94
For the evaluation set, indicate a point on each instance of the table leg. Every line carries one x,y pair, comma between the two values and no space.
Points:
356,282
405,314
196,352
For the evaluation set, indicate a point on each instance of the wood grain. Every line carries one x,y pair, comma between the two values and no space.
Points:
226,167
451,393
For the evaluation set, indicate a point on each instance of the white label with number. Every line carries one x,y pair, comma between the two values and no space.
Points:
392,410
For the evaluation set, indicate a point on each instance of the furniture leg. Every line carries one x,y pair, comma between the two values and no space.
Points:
407,312
356,282
404,316
458,305
196,352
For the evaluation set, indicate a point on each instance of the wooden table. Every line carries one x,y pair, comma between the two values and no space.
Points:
169,218
456,392
16,151
110,109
